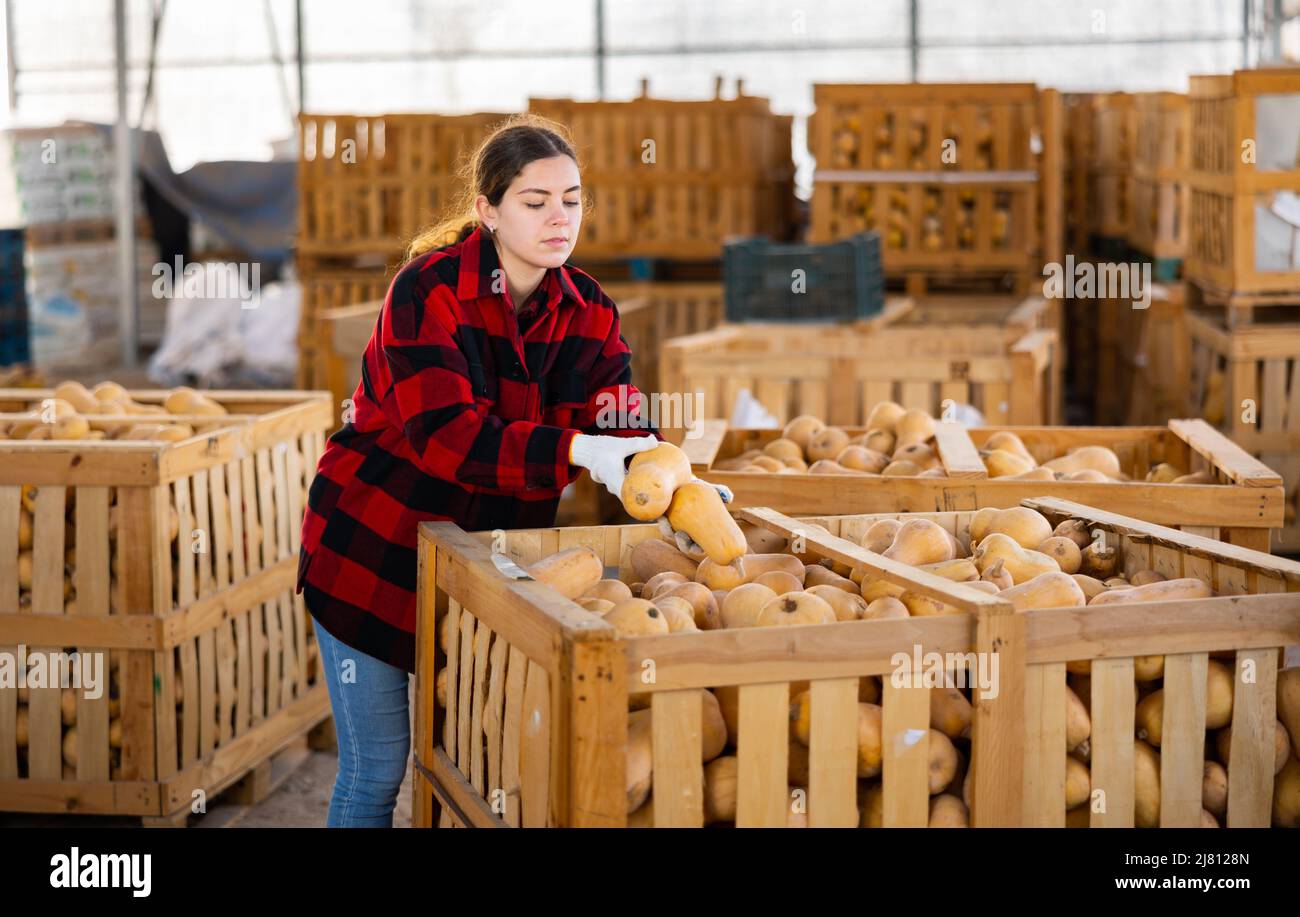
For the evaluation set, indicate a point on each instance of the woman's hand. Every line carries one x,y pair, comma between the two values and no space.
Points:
603,457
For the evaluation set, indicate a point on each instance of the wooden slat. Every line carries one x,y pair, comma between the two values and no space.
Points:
270,611
1254,719
905,755
45,731
762,797
512,734
1182,740
451,647
1045,745
535,748
833,754
492,720
465,709
10,507
92,583
482,650
960,458
676,736
1112,708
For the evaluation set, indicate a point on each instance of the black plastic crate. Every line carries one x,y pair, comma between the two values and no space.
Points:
841,281
11,254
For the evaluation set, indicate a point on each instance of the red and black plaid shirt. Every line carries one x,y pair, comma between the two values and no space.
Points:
459,416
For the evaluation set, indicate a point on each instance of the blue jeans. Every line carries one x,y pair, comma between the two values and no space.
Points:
372,720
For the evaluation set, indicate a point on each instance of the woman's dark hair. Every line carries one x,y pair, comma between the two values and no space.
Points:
502,155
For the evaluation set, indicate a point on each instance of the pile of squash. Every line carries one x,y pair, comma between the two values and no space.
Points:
900,442
72,412
1014,553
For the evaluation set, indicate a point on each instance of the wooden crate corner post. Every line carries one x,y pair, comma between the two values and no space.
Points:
998,729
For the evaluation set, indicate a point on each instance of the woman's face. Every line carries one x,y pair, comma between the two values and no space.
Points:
540,213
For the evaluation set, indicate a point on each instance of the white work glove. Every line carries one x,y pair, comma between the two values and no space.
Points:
684,542
603,457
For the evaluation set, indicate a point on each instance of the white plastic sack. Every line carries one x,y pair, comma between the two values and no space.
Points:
749,413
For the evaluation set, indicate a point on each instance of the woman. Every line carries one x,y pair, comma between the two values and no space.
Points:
477,404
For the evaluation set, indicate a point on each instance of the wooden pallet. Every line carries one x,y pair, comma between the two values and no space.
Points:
1225,191
183,575
1142,358
535,731
997,353
1243,505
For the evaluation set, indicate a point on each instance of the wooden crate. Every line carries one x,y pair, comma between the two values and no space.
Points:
652,313
1226,191
216,660
1247,382
324,289
993,209
1110,165
720,167
1162,147
992,352
535,729
1143,358
1244,504
1076,119
344,333
367,184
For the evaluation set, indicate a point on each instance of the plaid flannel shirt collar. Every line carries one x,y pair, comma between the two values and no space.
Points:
478,261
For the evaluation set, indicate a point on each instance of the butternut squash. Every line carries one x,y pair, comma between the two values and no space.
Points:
1098,562
1022,564
609,589
596,606
1149,717
914,426
1085,458
662,582
1033,474
640,759
1214,788
935,472
704,607
1078,724
1163,591
721,576
1146,578
741,606
881,441
880,535
795,609
1286,795
1288,704
762,541
901,470
1146,788
817,575
109,391
943,761
720,781
754,565
1196,477
697,510
1116,582
1009,442
920,541
1078,782
1062,550
713,727
651,480
1076,530
871,805
1148,668
950,711
826,443
1164,473
784,450
1024,526
1091,586
829,466
885,608
802,429
870,739
636,618
847,606
767,463
919,454
885,415
793,466
997,575
571,572
947,811
1047,590
860,458
678,613
779,581
1223,745
1003,464
923,606
654,555
959,570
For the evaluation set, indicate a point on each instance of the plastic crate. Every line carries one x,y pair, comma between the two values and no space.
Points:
840,281
11,254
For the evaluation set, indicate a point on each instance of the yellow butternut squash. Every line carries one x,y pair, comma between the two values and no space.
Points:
697,510
651,480
1022,564
1163,591
1009,442
795,609
802,429
826,444
636,618
654,555
847,606
1047,590
704,607
741,606
884,416
920,541
1084,458
779,582
1062,550
1002,464
885,608
571,572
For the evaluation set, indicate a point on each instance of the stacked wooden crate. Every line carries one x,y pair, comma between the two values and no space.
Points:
366,186
176,562
1158,208
1110,172
1242,259
673,179
960,180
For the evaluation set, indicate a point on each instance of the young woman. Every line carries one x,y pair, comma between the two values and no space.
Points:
478,403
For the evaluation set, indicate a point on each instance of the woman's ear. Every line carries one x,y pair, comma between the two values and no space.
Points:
487,214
